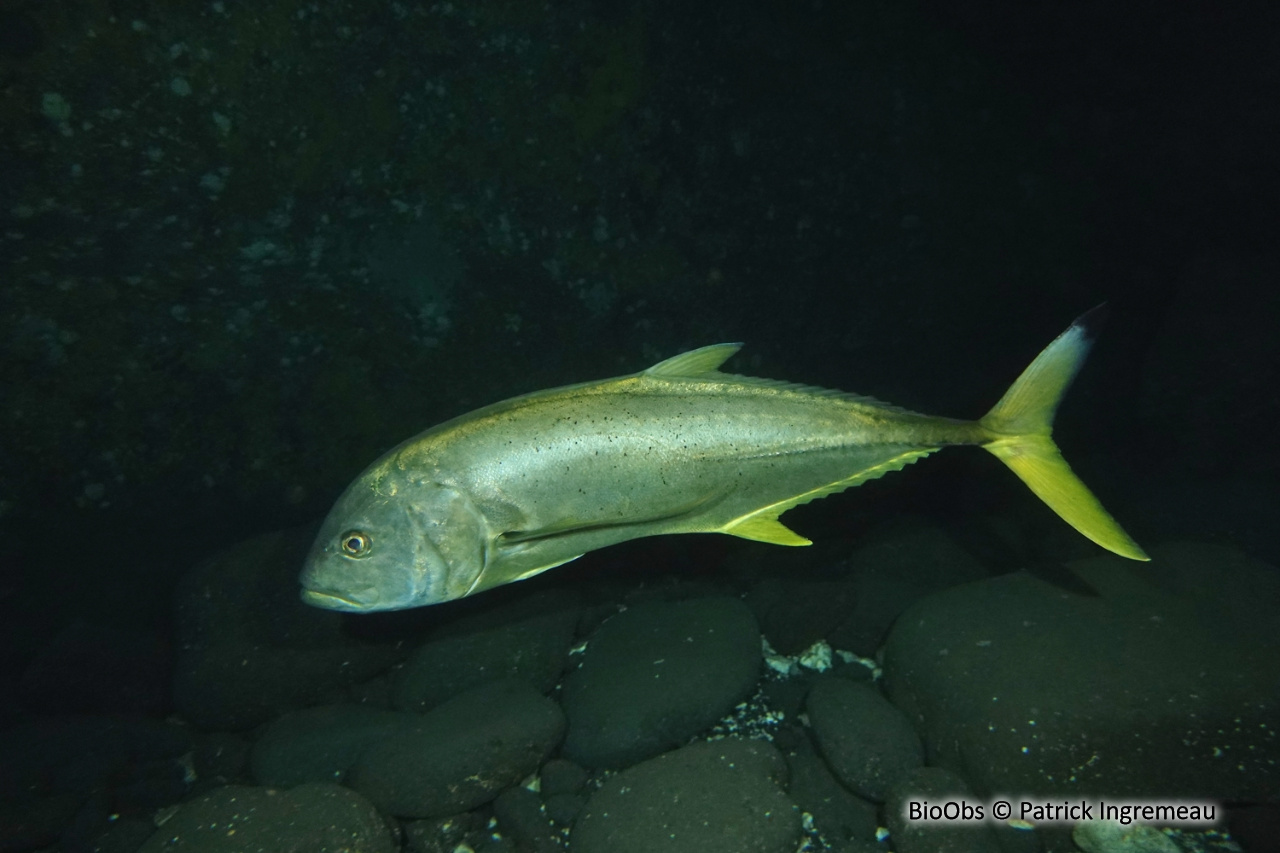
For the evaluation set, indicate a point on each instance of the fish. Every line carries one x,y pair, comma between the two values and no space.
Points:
518,487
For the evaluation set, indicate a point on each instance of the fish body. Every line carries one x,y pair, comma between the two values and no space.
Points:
518,487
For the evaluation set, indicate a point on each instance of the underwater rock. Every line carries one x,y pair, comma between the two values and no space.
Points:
453,834
1107,836
935,785
320,744
1162,685
249,647
462,753
1254,826
219,758
564,808
846,822
527,638
310,817
561,785
28,821
796,613
888,575
562,777
799,595
866,741
521,818
58,775
724,796
657,674
125,835
80,754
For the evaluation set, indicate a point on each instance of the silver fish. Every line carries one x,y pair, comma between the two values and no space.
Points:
524,485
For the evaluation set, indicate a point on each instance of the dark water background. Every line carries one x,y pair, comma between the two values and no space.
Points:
246,247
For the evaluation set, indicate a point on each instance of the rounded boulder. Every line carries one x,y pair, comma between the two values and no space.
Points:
309,818
656,675
722,796
867,742
462,753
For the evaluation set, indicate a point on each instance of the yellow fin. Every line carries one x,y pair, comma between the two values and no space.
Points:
1021,425
762,525
695,362
487,580
766,529
540,569
1038,463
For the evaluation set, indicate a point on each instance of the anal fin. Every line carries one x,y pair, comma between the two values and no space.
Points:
762,525
763,528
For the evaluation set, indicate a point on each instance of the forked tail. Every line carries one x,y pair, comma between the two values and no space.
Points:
1022,427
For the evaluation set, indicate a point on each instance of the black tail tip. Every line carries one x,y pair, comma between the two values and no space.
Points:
1090,323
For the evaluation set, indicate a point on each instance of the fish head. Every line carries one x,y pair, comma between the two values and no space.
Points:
393,543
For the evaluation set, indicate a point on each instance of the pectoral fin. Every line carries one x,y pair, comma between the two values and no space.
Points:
573,526
564,527
540,569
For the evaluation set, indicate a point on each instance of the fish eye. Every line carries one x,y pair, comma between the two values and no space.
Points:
355,543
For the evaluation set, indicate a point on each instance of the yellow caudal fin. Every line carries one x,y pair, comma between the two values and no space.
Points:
1022,425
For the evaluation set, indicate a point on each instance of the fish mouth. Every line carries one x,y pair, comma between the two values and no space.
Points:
334,601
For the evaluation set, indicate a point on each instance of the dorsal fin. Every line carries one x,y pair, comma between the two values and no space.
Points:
695,362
